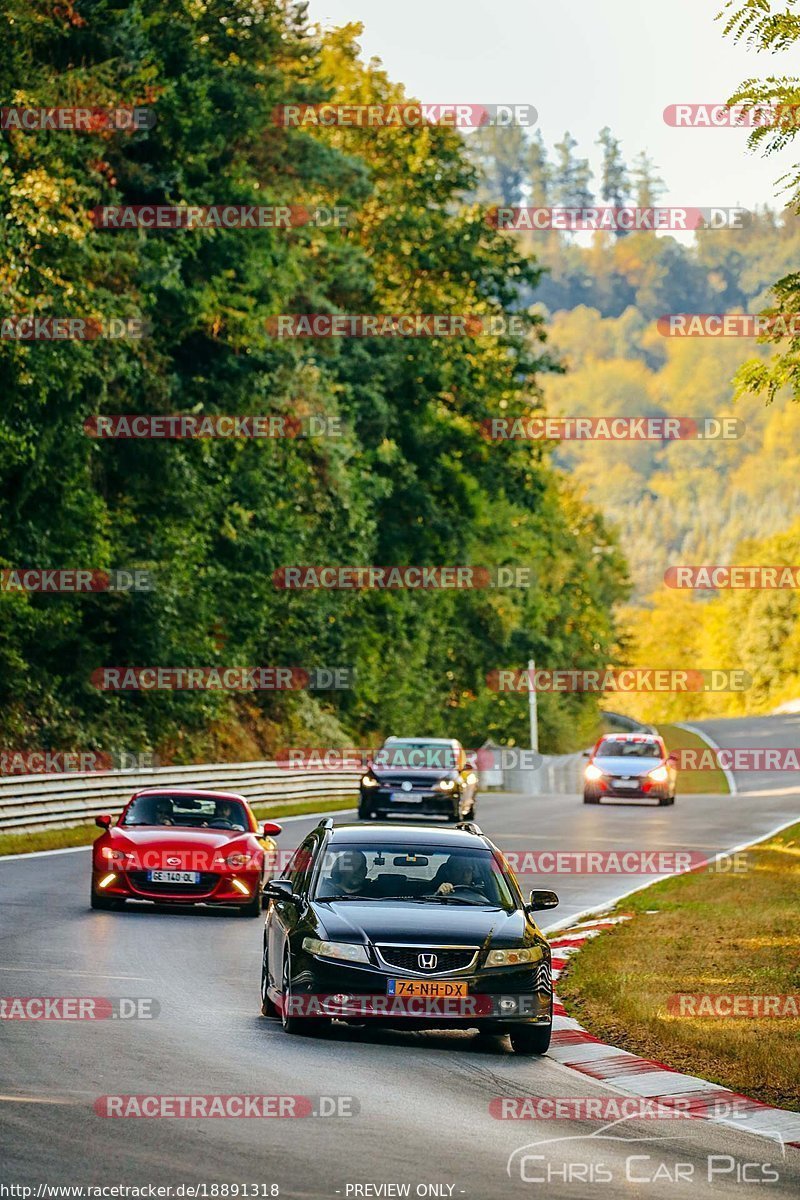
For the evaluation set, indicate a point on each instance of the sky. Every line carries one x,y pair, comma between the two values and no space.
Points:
584,64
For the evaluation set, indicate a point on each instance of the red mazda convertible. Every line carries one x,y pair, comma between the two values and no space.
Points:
176,846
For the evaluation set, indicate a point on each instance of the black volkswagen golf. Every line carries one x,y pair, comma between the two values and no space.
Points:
419,777
408,926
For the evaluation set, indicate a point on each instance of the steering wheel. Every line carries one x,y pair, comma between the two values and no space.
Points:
220,823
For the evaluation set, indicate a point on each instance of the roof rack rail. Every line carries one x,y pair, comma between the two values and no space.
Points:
470,827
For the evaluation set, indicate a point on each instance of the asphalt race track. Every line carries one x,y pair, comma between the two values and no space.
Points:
423,1099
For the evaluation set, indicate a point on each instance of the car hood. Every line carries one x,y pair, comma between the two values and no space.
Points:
617,764
174,837
421,924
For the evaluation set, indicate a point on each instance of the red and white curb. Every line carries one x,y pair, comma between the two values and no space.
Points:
572,1046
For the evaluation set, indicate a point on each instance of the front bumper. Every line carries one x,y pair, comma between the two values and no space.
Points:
213,888
379,802
644,789
346,991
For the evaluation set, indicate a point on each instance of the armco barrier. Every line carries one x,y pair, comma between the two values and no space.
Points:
30,802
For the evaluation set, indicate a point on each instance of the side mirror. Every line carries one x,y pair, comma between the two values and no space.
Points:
673,758
104,820
542,900
587,754
279,889
271,828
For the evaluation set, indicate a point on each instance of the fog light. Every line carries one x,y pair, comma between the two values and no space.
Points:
237,883
106,880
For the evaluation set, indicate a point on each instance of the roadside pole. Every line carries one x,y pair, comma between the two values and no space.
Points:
534,716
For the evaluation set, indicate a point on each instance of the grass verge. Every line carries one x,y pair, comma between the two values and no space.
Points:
693,783
84,835
702,932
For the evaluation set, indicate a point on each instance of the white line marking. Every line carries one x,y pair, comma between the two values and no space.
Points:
709,741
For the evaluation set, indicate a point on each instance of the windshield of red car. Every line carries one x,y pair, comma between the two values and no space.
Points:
193,812
612,749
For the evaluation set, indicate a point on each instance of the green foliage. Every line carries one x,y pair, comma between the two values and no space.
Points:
411,481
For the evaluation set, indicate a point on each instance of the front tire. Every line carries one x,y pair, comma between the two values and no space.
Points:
268,1009
589,799
292,1024
530,1039
102,902
253,909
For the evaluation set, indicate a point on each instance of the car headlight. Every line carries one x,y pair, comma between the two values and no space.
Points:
658,774
114,856
593,772
368,781
348,951
445,785
238,860
514,958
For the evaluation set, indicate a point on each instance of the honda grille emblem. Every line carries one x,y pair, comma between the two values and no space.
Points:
427,962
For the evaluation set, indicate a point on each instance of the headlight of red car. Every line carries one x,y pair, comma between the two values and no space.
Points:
239,860
113,856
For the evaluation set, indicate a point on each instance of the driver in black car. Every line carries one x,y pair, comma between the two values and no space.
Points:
459,871
348,876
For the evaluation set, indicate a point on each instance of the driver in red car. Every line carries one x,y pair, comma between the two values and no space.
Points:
164,811
230,813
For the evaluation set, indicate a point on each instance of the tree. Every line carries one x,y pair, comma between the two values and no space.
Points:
539,171
614,181
571,176
765,30
648,186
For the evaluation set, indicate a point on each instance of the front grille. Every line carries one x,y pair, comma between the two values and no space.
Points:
143,884
406,958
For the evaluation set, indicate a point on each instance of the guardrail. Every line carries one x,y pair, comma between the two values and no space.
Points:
30,802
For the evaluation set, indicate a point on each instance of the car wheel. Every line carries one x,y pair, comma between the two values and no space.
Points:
530,1039
587,799
364,813
292,1024
253,908
104,902
268,1009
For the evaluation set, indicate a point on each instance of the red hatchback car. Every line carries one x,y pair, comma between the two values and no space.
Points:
183,846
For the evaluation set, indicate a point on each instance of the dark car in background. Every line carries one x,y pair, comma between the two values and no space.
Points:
417,777
407,926
630,765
